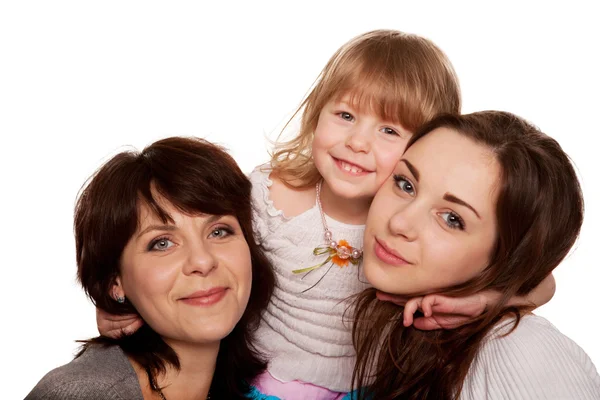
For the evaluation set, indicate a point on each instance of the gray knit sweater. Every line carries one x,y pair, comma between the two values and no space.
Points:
100,373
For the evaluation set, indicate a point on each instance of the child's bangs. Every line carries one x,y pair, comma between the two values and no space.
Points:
390,100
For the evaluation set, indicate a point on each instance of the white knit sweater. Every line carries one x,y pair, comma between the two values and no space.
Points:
535,361
304,334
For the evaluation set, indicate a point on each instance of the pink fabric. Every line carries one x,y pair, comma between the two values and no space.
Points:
294,390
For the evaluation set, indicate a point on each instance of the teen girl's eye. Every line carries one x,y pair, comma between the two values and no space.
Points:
453,220
160,244
404,184
221,232
346,116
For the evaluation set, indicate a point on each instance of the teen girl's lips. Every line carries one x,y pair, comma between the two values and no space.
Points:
387,255
205,297
350,168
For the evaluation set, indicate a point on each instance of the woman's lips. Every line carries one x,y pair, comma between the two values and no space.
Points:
387,255
205,297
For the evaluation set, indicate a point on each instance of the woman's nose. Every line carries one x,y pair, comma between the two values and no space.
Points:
405,221
200,260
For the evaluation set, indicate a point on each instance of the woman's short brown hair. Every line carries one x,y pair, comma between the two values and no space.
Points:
197,177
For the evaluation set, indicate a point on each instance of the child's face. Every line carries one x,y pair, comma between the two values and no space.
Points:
356,151
433,224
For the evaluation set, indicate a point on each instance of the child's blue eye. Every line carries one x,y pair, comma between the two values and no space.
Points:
389,131
346,116
404,184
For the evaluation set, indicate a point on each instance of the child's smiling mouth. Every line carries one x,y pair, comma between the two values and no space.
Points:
350,168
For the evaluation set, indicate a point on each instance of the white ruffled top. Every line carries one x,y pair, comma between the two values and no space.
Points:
304,334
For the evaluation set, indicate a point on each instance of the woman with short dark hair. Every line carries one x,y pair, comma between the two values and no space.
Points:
166,233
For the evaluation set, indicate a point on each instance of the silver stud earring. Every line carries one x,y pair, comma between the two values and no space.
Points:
120,299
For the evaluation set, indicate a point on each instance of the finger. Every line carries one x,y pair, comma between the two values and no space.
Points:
132,328
426,324
122,318
442,304
427,305
113,328
409,309
127,330
459,306
440,322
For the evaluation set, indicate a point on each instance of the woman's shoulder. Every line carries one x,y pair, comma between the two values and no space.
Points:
533,332
534,359
99,373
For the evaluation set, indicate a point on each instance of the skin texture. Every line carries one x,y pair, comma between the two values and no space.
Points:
418,239
355,151
164,264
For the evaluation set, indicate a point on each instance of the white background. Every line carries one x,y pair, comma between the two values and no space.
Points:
79,80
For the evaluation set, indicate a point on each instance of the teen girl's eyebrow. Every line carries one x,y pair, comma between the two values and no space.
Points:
413,170
454,199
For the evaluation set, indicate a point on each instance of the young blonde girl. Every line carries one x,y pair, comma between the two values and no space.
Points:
312,199
373,93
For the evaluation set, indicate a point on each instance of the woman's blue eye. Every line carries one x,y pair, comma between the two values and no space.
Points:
160,244
404,184
221,232
453,220
346,116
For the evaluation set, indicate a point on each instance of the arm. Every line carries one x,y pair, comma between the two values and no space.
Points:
538,296
443,312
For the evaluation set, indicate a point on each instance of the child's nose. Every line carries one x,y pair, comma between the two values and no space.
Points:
359,140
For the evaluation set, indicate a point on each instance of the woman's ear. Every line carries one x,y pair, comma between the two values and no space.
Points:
117,291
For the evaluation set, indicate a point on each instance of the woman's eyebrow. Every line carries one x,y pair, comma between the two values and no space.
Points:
413,170
169,228
452,198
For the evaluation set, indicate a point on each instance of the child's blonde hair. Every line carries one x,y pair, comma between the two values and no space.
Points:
402,78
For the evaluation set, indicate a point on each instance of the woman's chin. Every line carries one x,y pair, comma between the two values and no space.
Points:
379,279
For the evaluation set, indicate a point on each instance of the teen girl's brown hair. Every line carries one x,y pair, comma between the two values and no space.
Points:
402,78
197,177
539,215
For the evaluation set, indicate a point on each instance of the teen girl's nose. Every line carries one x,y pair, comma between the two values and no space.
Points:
405,220
200,259
358,139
